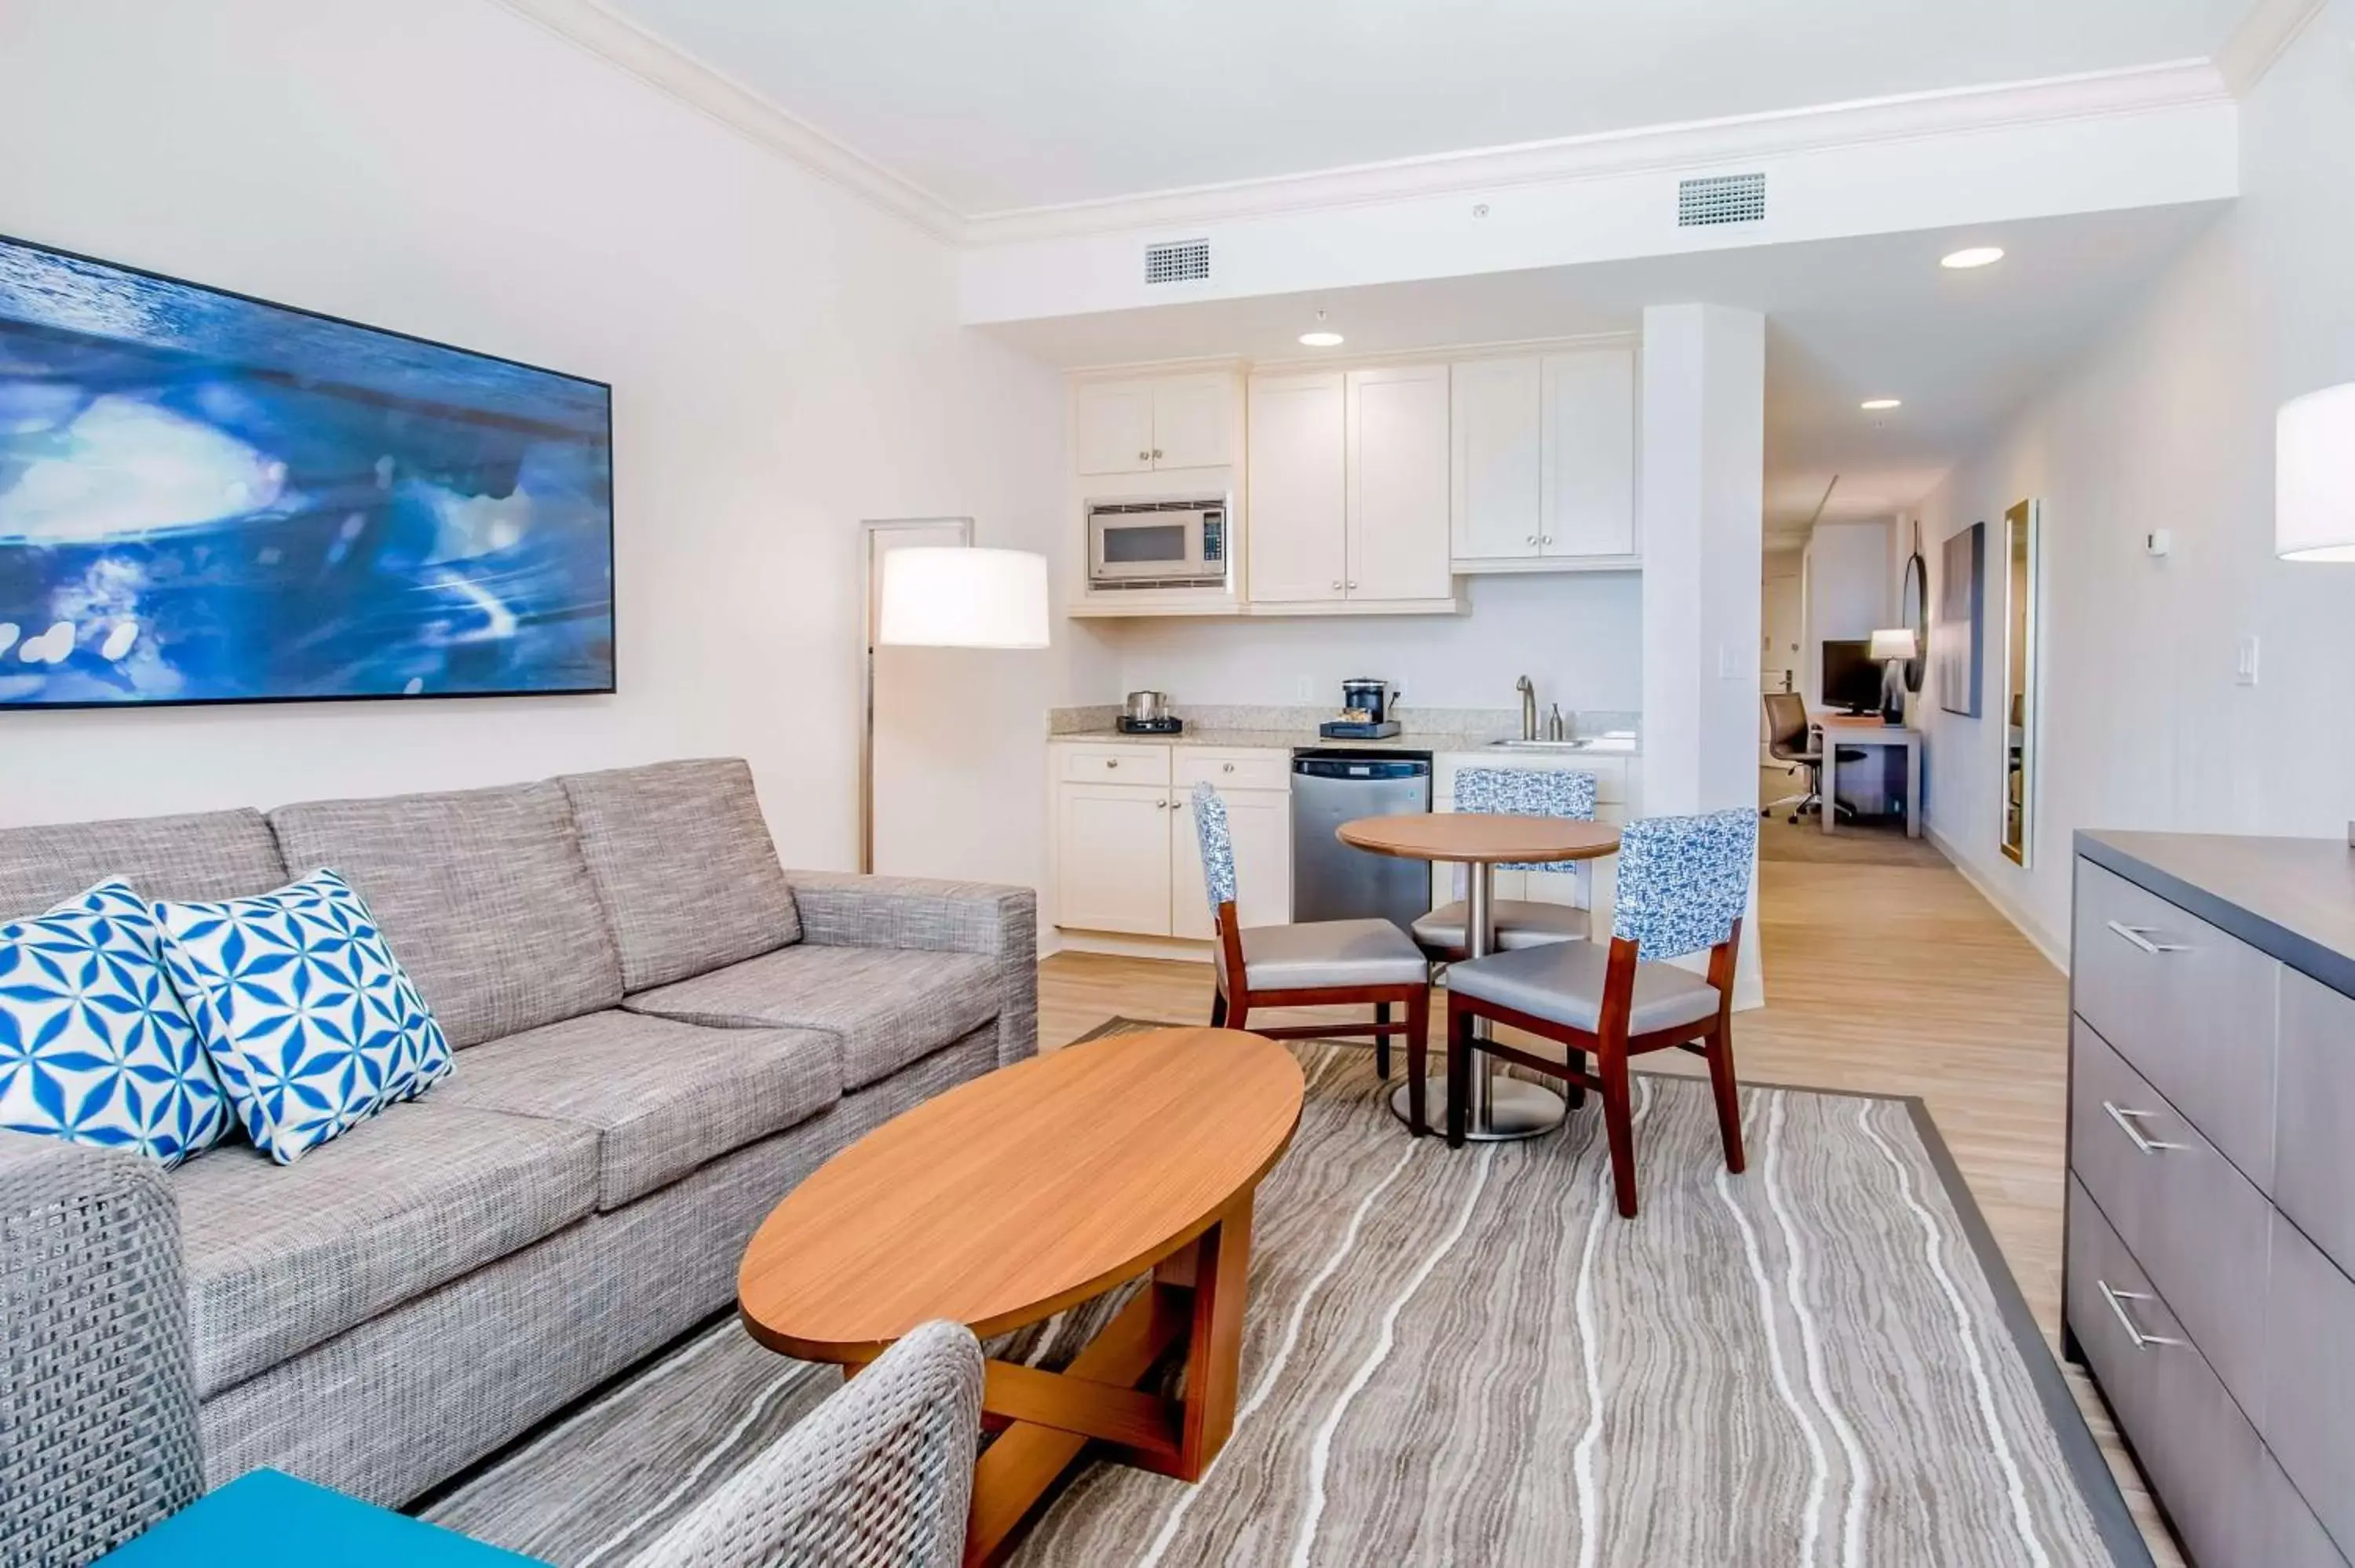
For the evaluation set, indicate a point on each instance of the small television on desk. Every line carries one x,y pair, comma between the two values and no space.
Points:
1851,680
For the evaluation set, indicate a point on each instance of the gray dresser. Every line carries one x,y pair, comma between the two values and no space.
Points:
2212,1181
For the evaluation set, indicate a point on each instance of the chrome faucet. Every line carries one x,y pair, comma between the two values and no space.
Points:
1528,707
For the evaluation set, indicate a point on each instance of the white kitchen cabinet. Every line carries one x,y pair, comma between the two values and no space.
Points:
1544,461
1590,454
1112,857
1135,426
1298,466
1398,483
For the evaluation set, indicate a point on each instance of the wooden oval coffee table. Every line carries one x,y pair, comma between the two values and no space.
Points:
1496,1108
1009,1199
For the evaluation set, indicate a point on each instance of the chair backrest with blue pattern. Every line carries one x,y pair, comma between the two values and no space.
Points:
1527,792
1217,847
1684,881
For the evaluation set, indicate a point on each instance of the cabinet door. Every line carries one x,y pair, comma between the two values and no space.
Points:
1113,858
1398,483
1298,488
1494,513
1261,824
1590,453
1189,421
1114,427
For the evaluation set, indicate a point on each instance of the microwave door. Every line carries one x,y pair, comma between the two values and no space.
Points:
1146,549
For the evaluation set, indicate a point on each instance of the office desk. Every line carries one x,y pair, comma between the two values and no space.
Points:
1840,729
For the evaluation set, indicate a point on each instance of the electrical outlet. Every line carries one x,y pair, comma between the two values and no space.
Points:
1304,690
2244,664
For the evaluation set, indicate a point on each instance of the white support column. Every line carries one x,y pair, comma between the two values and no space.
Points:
1704,494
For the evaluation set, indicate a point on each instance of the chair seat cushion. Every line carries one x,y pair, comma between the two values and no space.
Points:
1324,954
663,1097
1562,982
281,1257
887,1006
1521,923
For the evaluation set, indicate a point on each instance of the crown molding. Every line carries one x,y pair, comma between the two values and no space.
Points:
663,65
1697,144
2269,30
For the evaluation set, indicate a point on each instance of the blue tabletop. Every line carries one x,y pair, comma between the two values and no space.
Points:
264,1517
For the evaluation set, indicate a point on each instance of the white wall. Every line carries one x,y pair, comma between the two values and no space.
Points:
1848,592
1577,636
784,361
2169,424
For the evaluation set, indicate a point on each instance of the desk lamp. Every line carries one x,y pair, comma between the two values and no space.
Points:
1894,648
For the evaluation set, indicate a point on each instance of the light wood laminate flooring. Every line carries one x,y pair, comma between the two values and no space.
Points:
1886,973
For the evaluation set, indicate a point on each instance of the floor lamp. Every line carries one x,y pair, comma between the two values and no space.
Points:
946,595
2314,482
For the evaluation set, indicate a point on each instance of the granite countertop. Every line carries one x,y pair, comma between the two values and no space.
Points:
1291,727
1293,739
2291,898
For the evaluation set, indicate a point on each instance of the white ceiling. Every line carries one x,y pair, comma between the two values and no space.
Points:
1037,103
1846,320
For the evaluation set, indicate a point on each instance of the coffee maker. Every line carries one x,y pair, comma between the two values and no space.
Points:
1367,706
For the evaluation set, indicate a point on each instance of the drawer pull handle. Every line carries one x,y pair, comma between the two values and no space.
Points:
2117,1300
2141,937
2127,1119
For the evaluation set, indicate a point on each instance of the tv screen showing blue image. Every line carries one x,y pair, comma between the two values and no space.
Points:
205,498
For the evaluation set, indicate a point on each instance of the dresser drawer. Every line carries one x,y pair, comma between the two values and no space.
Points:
2199,1452
1233,769
2287,1534
2309,1417
1114,764
2189,1007
2193,1222
2314,1136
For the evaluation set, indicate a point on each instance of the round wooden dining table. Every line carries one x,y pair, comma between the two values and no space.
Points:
1496,1108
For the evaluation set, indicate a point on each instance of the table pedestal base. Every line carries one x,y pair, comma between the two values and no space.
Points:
1517,1108
1049,1419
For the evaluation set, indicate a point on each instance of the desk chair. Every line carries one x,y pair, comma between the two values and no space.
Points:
1683,884
1520,922
1320,963
1791,738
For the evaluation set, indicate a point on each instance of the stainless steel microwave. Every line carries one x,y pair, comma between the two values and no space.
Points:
1157,544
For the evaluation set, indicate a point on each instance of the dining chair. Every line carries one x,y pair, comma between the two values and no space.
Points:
1683,884
1519,922
1319,963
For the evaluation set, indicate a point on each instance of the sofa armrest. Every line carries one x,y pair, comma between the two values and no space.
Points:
842,910
881,1472
98,1388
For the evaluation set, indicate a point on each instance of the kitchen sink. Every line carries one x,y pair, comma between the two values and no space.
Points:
1543,745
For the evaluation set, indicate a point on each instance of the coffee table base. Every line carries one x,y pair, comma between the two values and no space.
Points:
1195,1300
1517,1108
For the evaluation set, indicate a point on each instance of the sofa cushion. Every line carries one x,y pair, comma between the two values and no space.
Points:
664,1097
211,854
889,1006
483,895
684,866
281,1257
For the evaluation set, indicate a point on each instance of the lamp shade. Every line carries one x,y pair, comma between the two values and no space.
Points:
1897,643
955,596
2313,476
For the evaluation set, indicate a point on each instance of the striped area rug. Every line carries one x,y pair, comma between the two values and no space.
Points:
1466,1357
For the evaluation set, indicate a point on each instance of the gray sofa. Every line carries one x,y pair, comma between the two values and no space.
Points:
658,1031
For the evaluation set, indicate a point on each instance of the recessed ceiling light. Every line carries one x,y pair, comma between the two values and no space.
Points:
1875,404
1976,256
1320,339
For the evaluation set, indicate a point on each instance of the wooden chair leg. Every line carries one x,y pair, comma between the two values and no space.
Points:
1219,1010
1573,1093
1383,1043
1719,1053
1619,1123
1418,1048
1459,1066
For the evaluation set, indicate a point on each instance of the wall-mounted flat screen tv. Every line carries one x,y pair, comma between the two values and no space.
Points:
205,498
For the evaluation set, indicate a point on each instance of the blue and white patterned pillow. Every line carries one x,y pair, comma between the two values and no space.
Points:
312,1025
95,1047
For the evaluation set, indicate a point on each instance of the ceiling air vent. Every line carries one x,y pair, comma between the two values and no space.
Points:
1720,198
1177,262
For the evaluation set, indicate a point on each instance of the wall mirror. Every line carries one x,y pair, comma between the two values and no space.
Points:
2019,558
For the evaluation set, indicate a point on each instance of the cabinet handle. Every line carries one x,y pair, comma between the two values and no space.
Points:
1336,585
2117,1300
1533,538
1547,540
1111,762
1157,454
2141,937
1353,587
1145,457
2125,1120
1227,767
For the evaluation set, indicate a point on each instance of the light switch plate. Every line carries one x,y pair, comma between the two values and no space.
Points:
2244,664
1729,664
